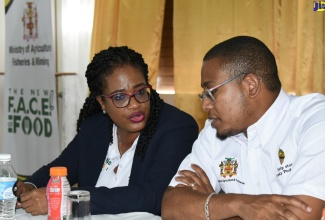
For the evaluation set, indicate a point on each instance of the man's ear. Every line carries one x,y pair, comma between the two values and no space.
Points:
101,102
253,85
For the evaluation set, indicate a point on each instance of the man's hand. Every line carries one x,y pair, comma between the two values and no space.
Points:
197,180
232,206
184,203
269,206
35,201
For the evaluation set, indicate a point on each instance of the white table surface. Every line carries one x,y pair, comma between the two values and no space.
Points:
22,215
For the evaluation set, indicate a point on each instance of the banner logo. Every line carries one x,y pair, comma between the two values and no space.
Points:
30,22
7,5
319,6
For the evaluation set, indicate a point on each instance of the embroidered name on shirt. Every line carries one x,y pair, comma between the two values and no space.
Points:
228,167
284,169
231,180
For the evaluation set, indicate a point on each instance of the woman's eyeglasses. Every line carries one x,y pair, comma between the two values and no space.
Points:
121,100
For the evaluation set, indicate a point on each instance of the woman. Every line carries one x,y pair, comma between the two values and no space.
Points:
129,142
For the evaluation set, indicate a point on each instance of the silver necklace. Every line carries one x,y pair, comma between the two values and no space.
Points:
119,144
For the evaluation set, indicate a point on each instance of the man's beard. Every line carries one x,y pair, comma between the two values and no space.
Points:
245,112
227,133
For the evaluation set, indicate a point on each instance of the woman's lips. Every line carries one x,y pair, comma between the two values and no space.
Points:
137,117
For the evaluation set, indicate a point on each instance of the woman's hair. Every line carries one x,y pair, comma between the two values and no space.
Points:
103,65
244,54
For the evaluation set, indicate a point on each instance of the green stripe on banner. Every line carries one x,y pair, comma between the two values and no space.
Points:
7,5
21,177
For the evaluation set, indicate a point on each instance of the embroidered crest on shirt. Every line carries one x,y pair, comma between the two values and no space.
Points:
107,163
285,166
228,167
281,155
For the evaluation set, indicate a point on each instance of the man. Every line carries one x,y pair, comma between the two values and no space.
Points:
260,146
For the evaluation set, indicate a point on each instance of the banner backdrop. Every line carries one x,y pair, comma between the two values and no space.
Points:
30,120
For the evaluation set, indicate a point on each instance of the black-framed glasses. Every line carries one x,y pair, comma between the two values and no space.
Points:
207,93
121,100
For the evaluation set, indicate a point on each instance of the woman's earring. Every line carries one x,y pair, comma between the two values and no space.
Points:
104,112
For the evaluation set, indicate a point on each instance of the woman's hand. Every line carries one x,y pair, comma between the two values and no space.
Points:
21,188
35,201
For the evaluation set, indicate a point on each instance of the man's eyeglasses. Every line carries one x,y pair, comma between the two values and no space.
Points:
207,93
121,100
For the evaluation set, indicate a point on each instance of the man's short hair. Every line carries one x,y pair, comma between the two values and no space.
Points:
244,54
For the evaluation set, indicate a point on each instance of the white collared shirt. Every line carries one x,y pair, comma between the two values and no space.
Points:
293,127
113,158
